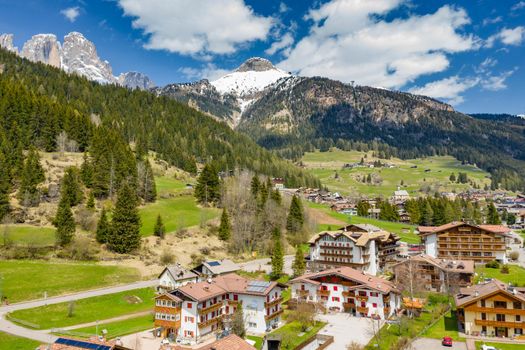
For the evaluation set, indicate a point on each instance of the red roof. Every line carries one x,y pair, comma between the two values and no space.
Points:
500,229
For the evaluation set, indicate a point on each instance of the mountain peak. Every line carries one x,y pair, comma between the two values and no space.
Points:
256,64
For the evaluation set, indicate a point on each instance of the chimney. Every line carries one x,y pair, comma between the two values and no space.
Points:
476,293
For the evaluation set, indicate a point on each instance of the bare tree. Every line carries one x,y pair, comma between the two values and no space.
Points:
374,330
304,314
355,346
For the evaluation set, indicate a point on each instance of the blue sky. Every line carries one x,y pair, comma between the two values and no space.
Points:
468,53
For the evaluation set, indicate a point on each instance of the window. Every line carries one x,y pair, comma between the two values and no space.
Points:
373,294
235,297
518,318
362,293
335,288
335,298
483,303
516,305
190,305
374,304
302,286
500,304
189,319
518,331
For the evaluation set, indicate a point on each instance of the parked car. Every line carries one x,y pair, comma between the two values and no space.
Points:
487,347
446,341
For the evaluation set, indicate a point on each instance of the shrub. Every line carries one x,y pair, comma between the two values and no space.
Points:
167,257
505,269
514,255
492,264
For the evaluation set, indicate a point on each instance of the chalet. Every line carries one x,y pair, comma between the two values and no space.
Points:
229,342
278,183
361,246
215,268
345,289
175,276
460,240
491,309
400,196
199,309
437,275
344,208
63,343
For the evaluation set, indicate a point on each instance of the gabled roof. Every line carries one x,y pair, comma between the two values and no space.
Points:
230,342
472,294
178,273
200,291
425,230
359,237
234,283
360,228
219,267
170,296
348,273
459,266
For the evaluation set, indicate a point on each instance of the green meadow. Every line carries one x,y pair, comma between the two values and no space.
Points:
26,235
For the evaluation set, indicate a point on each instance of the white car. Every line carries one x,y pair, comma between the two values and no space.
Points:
487,347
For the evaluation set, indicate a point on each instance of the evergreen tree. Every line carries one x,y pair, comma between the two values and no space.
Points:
103,227
255,186
4,187
91,201
277,258
263,195
225,226
295,220
32,175
468,213
70,187
86,171
159,229
492,215
511,219
124,235
207,189
298,265
428,214
412,208
276,196
146,186
448,212
238,322
362,208
369,178
64,223
452,177
477,217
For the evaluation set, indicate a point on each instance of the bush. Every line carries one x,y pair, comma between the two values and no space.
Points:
505,269
86,220
80,249
515,255
492,264
167,257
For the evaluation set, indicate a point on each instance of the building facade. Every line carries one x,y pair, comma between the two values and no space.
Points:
175,276
462,241
363,247
491,309
198,309
348,290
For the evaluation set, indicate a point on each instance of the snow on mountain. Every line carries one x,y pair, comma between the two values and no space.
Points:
135,80
43,48
6,42
252,77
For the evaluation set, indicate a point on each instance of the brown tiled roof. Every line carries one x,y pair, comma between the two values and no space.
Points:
460,266
500,229
169,295
201,291
360,238
92,340
230,342
179,273
236,284
471,294
349,273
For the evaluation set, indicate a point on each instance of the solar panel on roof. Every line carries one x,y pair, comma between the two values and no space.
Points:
214,263
82,344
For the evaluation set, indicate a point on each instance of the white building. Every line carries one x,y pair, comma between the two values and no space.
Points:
400,196
175,276
348,290
216,268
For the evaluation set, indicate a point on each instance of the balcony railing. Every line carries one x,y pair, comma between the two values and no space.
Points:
361,298
273,315
302,292
386,310
500,323
348,294
210,308
323,292
210,321
348,306
363,310
489,310
273,302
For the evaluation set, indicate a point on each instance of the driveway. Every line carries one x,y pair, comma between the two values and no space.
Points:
346,329
264,265
435,344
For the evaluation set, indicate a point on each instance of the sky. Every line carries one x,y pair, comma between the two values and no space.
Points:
468,53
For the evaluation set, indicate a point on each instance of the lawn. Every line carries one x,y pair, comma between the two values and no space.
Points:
290,334
10,342
88,310
405,231
446,326
501,346
414,173
516,274
258,341
177,212
120,328
27,235
27,280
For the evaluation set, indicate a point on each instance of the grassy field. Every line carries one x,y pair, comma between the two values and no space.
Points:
27,235
177,212
10,342
501,346
516,274
88,310
25,280
290,334
120,328
446,326
415,173
258,341
405,231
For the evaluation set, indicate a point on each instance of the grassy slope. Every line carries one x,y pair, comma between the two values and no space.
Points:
290,332
27,234
10,342
516,274
89,310
26,280
446,326
405,231
324,165
177,212
501,346
120,328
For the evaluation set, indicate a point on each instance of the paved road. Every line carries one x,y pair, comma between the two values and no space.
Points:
8,327
346,329
264,265
430,344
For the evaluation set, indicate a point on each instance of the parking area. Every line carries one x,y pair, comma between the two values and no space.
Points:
428,344
345,329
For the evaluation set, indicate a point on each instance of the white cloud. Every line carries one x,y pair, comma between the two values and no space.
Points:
494,20
283,7
209,71
518,6
507,36
349,40
283,44
448,89
496,82
197,27
71,13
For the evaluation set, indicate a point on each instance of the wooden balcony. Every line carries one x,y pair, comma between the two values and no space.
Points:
348,294
233,302
489,310
386,310
386,299
323,293
500,323
348,306
348,283
302,292
361,298
322,253
167,323
273,302
210,308
274,315
363,310
210,321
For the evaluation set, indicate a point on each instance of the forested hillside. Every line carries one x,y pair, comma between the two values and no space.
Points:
38,102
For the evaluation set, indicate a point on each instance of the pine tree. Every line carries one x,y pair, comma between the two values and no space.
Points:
276,196
255,186
4,187
492,215
207,189
103,227
159,230
362,208
146,182
468,214
124,235
295,220
428,214
70,187
64,223
448,212
86,171
277,258
298,264
32,175
452,177
225,227
238,322
91,201
477,217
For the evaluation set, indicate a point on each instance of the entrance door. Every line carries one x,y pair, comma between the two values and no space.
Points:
502,332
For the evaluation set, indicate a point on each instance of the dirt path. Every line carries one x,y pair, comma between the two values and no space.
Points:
323,218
